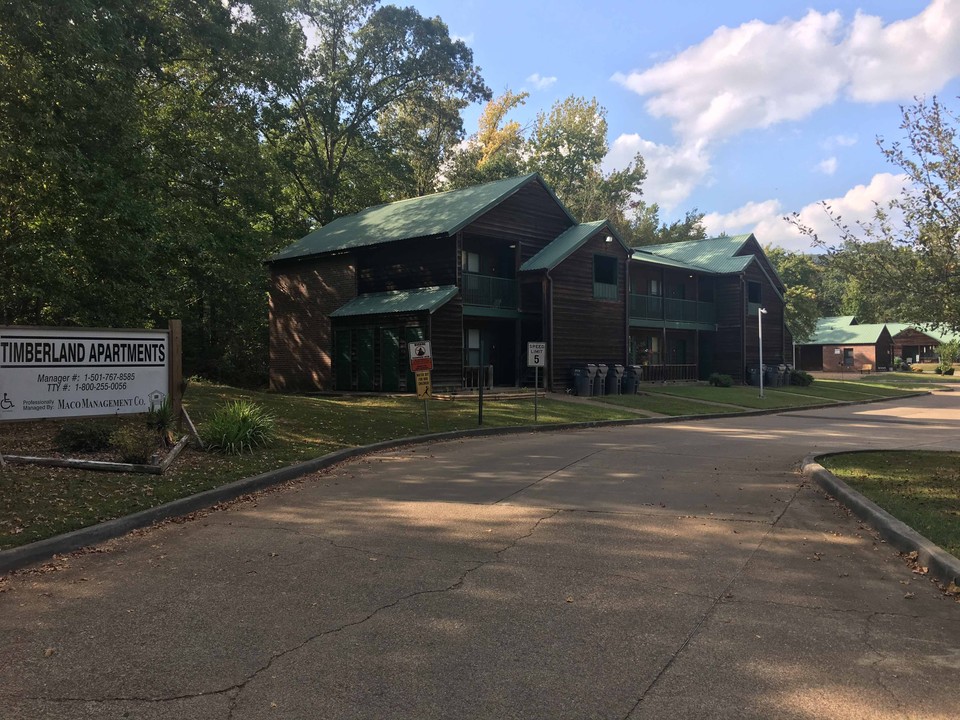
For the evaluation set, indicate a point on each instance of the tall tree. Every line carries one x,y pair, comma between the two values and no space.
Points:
567,146
801,276
908,255
364,61
646,227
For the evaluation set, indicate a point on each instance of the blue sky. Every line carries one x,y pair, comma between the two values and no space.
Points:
746,111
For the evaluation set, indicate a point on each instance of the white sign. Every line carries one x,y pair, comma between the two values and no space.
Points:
421,356
837,351
58,372
536,354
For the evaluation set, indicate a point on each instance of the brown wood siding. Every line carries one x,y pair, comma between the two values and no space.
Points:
446,341
407,264
302,296
586,329
773,324
913,338
530,217
728,341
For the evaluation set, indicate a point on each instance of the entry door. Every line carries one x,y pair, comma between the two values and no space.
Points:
365,359
342,355
848,357
390,360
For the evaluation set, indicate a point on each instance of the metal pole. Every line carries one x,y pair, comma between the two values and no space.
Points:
536,385
426,414
483,378
760,313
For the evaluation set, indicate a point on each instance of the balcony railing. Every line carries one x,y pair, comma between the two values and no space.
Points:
669,373
605,291
489,291
652,307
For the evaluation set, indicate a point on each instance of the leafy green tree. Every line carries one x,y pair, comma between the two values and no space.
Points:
495,151
322,120
949,352
800,276
646,227
907,257
567,146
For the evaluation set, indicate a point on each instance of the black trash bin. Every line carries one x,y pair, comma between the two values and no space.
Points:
770,376
615,380
631,380
753,376
591,379
581,381
600,383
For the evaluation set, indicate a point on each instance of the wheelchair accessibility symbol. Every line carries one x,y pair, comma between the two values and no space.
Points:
6,403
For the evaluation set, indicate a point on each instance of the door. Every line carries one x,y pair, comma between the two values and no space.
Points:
365,360
342,354
390,360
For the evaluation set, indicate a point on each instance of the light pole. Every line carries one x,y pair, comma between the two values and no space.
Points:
760,314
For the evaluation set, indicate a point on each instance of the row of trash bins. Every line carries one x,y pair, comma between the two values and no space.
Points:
601,379
773,375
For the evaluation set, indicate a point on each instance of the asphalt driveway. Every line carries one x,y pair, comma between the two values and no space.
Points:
655,571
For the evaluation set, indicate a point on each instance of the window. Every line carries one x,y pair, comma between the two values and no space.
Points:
605,277
470,262
754,298
655,288
473,347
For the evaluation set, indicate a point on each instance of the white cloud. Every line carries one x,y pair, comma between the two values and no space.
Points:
466,39
835,141
760,74
828,166
672,171
765,219
539,82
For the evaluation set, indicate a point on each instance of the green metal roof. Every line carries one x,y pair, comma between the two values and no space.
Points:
397,301
938,335
847,335
439,214
718,255
834,322
560,248
643,255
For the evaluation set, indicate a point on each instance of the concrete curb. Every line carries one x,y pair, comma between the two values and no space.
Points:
41,550
943,566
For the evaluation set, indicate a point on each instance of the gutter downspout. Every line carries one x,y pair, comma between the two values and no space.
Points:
551,349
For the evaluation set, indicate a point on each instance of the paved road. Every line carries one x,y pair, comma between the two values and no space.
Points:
657,571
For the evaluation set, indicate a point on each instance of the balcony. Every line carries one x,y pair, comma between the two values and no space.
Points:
489,292
678,313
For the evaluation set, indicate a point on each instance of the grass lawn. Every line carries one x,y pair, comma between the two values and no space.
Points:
920,488
742,397
842,390
667,405
913,380
38,502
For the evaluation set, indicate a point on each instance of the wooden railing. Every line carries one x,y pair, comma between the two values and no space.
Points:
489,291
669,373
654,307
473,373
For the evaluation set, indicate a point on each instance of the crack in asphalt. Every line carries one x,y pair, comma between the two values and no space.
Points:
717,601
875,665
549,475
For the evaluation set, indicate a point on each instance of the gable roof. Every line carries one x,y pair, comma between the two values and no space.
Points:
428,299
717,255
837,334
561,247
940,336
835,322
431,215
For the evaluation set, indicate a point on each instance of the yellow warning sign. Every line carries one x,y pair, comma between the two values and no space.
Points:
423,385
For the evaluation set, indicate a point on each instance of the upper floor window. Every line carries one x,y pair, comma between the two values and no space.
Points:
754,297
655,288
471,262
605,277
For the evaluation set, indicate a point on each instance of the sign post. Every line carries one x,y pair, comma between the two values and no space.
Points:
421,363
536,357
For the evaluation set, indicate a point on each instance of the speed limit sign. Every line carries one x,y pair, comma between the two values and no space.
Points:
536,354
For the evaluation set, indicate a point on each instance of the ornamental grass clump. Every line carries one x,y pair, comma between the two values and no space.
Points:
238,426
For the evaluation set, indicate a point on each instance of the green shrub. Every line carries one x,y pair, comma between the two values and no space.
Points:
85,435
135,444
160,419
719,380
938,370
898,363
237,426
801,378
948,371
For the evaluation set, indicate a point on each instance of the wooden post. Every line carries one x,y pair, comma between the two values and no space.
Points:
175,366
